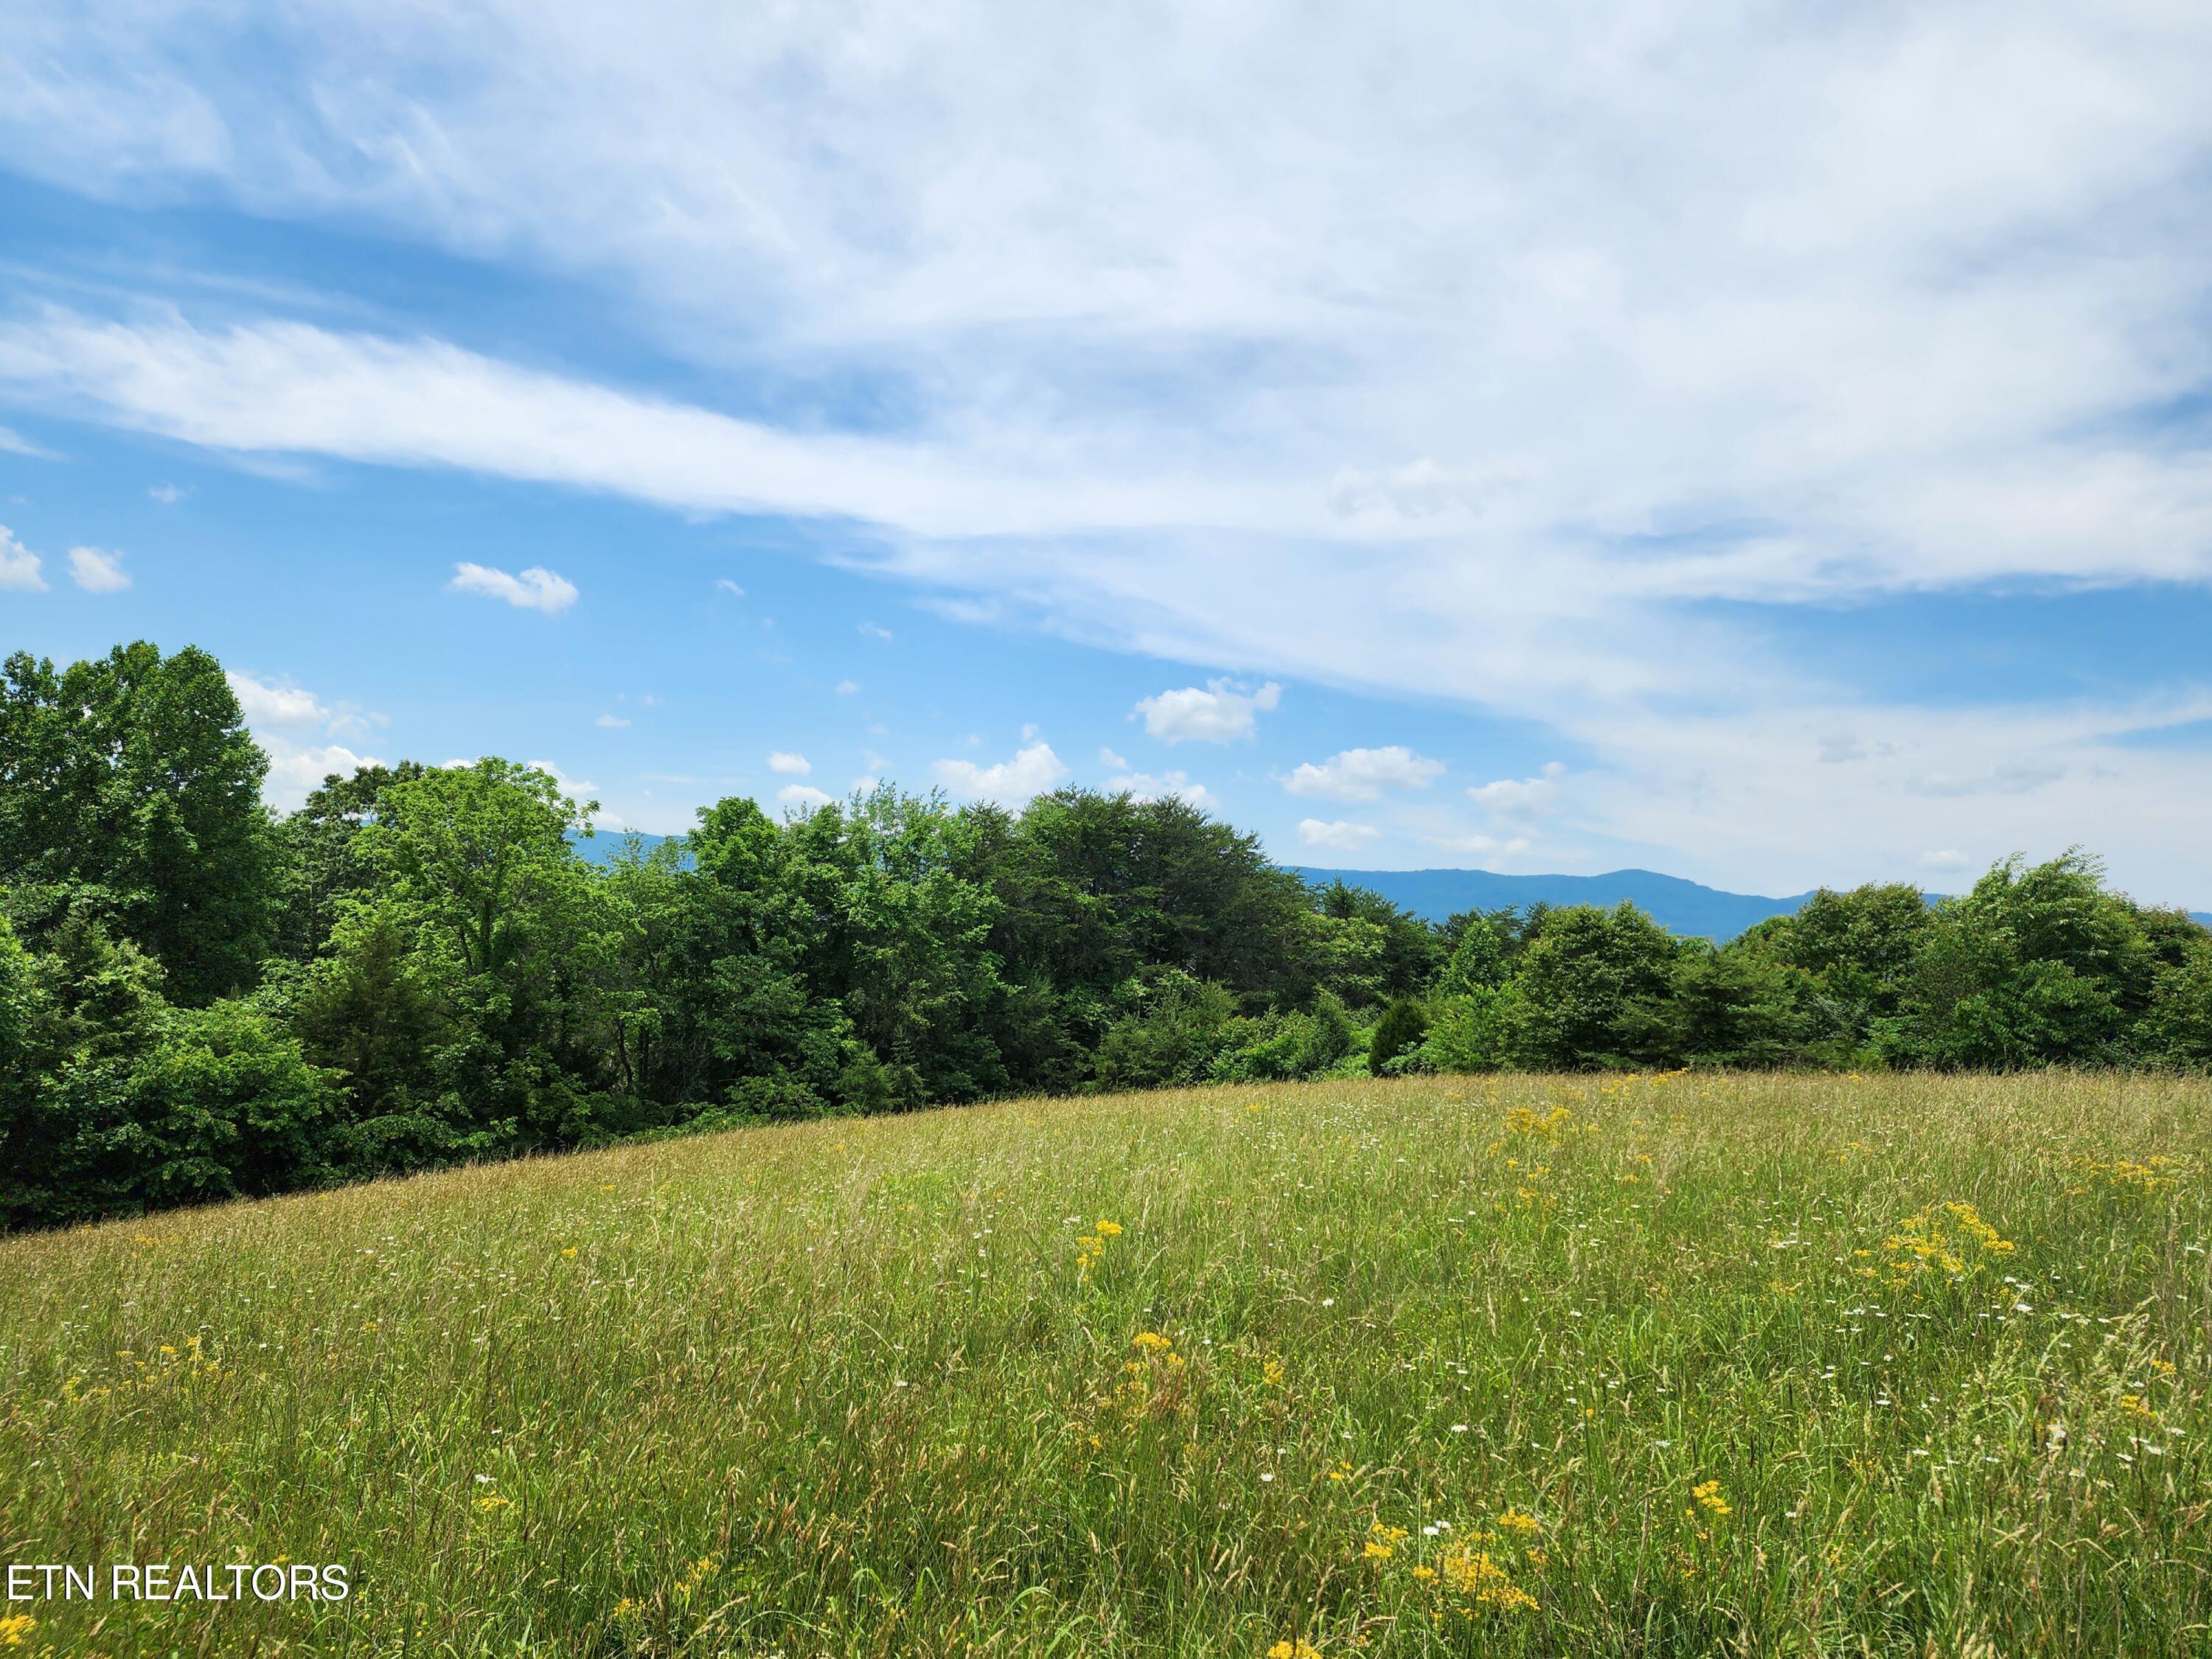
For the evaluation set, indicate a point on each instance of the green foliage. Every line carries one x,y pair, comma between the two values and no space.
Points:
2033,966
1399,1032
1284,1047
1594,992
1733,1008
419,968
130,792
1178,1026
1480,961
1471,1033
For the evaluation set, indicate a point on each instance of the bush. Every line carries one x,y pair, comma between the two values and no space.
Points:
1180,1027
1399,1032
1469,1033
1278,1048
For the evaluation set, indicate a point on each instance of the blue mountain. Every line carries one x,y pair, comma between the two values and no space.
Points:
1681,906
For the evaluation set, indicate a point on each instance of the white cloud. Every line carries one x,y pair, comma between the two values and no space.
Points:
1031,772
535,589
295,769
801,796
1521,798
19,566
876,630
1222,713
1364,773
98,571
1108,757
1339,836
1948,859
846,688
1470,397
265,703
582,790
796,766
730,587
14,443
1481,846
1145,785
169,494
612,722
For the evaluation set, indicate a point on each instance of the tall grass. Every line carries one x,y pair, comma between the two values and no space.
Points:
1666,1365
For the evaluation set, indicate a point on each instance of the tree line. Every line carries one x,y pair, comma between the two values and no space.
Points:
200,999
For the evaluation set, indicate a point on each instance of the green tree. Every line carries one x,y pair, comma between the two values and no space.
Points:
1594,988
130,790
2035,965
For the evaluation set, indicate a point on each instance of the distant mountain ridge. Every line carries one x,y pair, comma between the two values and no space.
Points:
1687,908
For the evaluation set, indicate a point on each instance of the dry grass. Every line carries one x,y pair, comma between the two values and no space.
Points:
1443,1365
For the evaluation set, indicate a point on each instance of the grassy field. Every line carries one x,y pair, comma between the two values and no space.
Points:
1664,1365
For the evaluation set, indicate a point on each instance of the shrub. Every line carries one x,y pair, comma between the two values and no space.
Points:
1399,1032
1469,1033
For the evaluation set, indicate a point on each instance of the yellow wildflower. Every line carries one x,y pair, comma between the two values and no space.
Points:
14,1628
1708,1494
1300,1649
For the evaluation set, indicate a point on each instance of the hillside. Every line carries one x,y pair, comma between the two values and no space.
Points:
1680,906
1660,1366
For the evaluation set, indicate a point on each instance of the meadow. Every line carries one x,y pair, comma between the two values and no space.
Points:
1671,1364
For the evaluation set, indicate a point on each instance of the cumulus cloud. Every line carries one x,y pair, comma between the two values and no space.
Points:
167,494
1032,770
1337,836
846,688
723,584
1364,773
802,797
265,703
1222,713
875,631
19,566
295,728
98,571
612,722
534,589
296,770
797,766
1521,798
1146,786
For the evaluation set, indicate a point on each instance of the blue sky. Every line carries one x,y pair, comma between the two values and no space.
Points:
1771,449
